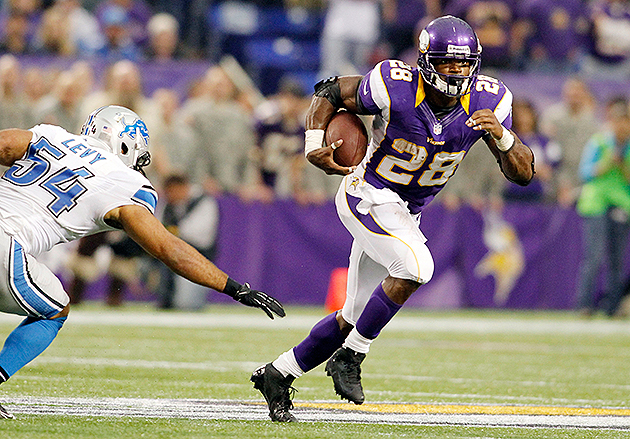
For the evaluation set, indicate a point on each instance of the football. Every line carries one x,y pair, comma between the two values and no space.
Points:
349,127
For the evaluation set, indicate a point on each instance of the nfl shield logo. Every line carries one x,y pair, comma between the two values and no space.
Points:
437,129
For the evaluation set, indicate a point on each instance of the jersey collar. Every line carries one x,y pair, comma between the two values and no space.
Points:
420,95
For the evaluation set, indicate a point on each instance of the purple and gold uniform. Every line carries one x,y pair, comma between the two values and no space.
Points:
412,152
415,148
411,156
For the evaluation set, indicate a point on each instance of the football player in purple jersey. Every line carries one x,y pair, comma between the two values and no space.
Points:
425,120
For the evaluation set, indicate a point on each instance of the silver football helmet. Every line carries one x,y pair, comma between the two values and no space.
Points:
122,132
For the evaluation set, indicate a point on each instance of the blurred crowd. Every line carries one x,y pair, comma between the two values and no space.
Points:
264,133
587,36
226,138
263,136
219,140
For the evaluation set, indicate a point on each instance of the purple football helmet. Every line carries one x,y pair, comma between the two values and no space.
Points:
449,37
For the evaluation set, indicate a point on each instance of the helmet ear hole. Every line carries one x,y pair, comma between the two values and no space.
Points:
124,149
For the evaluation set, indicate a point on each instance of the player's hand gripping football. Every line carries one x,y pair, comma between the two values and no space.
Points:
323,159
258,299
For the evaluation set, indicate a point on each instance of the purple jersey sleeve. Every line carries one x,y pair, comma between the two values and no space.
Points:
369,90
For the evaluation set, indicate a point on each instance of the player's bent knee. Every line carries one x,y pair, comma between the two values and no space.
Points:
417,265
63,313
426,264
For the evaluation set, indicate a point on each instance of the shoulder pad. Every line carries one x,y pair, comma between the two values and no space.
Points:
488,92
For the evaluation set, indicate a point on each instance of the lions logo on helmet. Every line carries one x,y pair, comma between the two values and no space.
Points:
122,132
137,126
449,38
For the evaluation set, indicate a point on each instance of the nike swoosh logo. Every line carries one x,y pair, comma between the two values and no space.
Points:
365,88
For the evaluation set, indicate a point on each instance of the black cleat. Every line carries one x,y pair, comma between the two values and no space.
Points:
277,391
344,367
4,414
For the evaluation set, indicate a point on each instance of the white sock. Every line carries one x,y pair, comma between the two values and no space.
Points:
287,365
357,342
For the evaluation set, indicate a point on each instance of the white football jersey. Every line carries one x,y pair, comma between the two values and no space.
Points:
63,187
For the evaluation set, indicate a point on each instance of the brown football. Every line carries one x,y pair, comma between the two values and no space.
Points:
349,127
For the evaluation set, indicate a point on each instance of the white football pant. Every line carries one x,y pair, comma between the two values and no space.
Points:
387,241
27,287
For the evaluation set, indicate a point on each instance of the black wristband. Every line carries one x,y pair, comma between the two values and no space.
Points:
231,287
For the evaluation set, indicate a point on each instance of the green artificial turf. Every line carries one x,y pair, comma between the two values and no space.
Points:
433,366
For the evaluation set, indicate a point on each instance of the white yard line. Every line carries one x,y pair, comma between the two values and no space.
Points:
234,410
455,324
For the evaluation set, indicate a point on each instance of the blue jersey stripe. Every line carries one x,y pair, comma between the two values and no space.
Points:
25,288
146,197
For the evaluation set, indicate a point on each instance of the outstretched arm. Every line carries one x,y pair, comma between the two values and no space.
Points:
183,259
331,95
515,158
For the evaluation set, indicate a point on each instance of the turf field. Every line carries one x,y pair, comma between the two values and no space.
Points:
136,372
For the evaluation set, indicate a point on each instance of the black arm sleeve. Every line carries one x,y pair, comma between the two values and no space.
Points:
329,89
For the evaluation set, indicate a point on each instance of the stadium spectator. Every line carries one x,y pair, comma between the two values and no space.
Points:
278,156
64,109
122,267
123,86
346,45
609,50
174,144
104,191
400,22
547,155
54,34
604,205
84,74
137,14
570,123
551,34
164,44
193,22
69,29
224,134
15,39
14,108
36,86
492,20
192,215
118,43
30,10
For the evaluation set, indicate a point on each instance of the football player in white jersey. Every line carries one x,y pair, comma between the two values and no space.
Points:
60,187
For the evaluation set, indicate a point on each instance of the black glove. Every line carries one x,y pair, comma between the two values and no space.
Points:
245,295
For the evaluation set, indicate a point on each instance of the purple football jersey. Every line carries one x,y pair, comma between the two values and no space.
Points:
412,152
